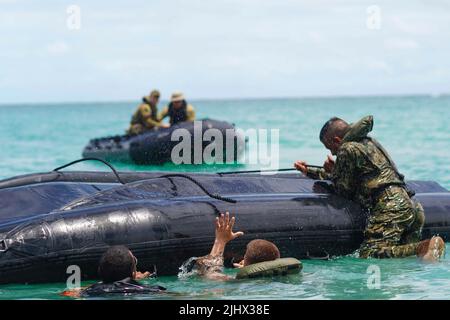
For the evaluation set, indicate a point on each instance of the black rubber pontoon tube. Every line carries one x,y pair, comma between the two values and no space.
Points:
92,159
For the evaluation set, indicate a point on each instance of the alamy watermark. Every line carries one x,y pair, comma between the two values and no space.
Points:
73,21
213,146
74,279
374,279
373,21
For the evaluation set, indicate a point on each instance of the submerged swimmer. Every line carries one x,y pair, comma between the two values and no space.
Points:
365,173
119,276
257,252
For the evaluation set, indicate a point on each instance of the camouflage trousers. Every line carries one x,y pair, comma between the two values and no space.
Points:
394,226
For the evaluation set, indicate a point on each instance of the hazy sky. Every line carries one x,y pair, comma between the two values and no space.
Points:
221,49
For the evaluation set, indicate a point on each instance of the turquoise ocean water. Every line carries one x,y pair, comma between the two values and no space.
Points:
415,130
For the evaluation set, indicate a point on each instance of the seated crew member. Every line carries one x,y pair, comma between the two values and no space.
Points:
117,270
178,110
258,251
145,118
365,173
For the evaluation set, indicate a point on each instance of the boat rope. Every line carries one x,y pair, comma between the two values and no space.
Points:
168,176
92,159
211,195
260,171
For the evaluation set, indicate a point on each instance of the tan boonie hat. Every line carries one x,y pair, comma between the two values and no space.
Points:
177,96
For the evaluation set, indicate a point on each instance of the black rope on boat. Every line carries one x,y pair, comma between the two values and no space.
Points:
92,159
214,196
259,171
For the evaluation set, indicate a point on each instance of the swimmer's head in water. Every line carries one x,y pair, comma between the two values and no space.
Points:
116,264
260,251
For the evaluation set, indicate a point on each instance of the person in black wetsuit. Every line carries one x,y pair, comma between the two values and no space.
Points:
119,276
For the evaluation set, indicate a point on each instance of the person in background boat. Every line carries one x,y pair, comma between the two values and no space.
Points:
258,250
365,173
117,270
145,118
178,110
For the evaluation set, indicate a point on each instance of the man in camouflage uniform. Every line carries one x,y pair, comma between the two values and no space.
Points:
145,118
365,173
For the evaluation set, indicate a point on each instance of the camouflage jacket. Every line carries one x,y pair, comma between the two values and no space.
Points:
362,168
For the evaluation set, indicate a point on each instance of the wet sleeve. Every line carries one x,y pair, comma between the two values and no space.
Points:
209,264
190,111
345,171
318,174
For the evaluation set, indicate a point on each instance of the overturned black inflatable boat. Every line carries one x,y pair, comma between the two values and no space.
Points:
155,147
53,220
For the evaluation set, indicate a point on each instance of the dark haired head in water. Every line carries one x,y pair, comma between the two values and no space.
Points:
117,263
260,250
117,270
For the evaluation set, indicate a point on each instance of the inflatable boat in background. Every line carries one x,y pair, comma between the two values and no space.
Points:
50,221
155,147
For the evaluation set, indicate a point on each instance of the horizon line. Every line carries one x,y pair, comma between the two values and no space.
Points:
394,95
